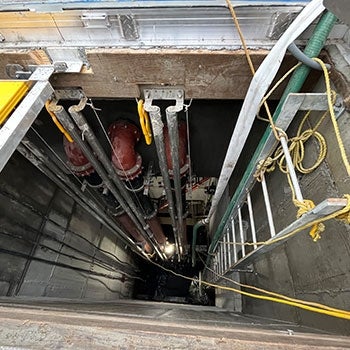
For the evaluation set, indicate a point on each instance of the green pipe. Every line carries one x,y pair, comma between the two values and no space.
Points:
199,224
313,49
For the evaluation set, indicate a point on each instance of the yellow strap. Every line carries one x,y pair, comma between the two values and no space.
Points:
58,124
144,122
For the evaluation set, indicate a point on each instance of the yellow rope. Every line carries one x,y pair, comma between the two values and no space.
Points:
144,122
57,123
250,62
261,290
319,308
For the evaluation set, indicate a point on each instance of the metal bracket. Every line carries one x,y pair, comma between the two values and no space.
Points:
69,94
172,94
65,60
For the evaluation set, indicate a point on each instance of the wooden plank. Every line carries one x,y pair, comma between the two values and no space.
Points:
203,74
120,73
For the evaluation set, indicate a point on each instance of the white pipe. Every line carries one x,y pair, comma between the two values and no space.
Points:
257,89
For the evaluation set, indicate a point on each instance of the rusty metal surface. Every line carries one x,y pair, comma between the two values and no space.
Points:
53,324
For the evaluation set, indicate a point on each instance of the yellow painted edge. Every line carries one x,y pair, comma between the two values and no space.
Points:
11,92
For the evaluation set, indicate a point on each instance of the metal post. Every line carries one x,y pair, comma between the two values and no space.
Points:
234,241
229,248
251,218
241,233
224,245
291,170
268,206
173,129
157,126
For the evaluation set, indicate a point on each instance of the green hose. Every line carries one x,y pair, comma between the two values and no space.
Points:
313,49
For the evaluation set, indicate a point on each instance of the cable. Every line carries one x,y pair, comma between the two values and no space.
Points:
95,260
144,122
93,195
326,310
56,263
273,293
39,213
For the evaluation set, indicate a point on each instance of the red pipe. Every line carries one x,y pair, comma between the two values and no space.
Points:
157,230
128,162
80,165
130,227
183,161
125,159
77,161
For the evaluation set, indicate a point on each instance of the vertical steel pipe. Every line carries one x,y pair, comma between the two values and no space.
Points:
173,129
157,127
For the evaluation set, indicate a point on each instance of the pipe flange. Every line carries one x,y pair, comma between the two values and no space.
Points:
183,170
81,170
132,173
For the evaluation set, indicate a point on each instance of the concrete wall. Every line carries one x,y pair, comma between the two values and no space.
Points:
301,268
39,221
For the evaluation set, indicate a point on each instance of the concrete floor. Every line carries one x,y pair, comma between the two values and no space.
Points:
128,324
